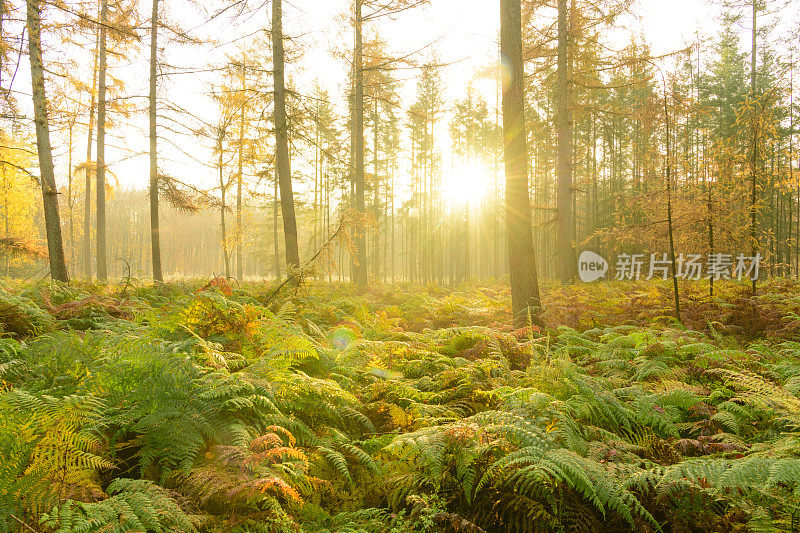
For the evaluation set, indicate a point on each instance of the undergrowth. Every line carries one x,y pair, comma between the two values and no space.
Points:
205,407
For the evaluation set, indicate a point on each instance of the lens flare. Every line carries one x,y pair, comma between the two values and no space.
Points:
466,184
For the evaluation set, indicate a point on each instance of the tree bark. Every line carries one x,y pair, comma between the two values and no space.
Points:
282,161
223,190
55,248
102,265
276,247
239,177
522,266
358,152
70,137
376,204
754,154
675,293
155,229
87,201
564,126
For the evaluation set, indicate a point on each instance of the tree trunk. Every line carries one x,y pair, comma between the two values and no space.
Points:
87,201
791,169
676,294
239,177
55,249
358,133
522,266
102,265
565,263
70,136
282,162
317,182
391,200
754,153
376,207
223,188
2,57
276,248
155,237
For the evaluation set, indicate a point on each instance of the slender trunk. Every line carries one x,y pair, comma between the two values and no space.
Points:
240,177
676,294
87,200
6,218
754,154
58,267
223,188
358,132
496,222
564,126
317,182
282,161
375,194
791,169
467,258
522,266
69,194
2,35
391,199
102,267
411,240
710,201
327,196
155,229
276,247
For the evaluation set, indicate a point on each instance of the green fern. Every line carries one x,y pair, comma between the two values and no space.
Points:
133,505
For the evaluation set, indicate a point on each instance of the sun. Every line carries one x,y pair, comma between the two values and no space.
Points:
466,184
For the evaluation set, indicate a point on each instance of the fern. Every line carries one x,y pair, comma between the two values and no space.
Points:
50,449
133,505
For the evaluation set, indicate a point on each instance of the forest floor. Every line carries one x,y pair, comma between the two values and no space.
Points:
197,406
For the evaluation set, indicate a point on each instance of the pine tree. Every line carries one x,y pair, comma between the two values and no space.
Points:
58,266
101,235
155,237
525,297
282,161
564,126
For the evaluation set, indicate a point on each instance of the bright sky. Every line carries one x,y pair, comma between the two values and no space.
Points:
460,33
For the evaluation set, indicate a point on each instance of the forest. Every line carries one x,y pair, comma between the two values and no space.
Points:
389,266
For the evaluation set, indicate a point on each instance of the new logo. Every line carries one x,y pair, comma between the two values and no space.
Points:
591,266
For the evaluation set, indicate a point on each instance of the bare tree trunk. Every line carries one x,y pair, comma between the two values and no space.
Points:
317,181
358,152
676,294
565,263
496,197
282,162
522,266
87,201
754,154
155,230
239,177
2,55
391,200
70,137
55,248
102,265
376,207
223,188
276,247
791,170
